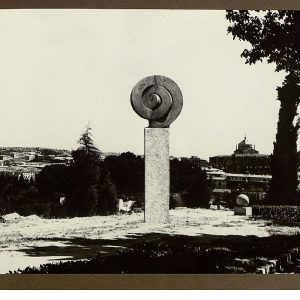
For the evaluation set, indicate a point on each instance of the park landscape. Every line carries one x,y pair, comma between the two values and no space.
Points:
196,241
68,219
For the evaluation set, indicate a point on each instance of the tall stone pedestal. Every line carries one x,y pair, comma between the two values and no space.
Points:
157,175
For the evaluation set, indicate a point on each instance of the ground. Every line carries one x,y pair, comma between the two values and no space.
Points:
31,241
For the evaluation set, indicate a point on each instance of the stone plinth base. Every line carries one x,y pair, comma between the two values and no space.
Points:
243,211
157,175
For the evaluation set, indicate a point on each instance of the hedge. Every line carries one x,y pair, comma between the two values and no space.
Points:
282,213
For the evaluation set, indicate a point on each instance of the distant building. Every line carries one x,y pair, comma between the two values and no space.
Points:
245,159
248,181
29,156
17,155
198,161
223,180
244,148
218,177
26,173
63,159
195,160
5,157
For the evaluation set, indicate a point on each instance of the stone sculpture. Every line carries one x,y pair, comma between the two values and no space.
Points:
242,200
242,208
159,100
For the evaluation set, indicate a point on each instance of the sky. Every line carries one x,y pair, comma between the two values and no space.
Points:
60,69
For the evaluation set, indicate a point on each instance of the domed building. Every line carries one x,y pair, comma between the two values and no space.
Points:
245,159
244,148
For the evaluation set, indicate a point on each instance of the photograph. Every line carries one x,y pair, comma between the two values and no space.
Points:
140,141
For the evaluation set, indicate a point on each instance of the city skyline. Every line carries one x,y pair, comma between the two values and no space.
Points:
25,148
63,69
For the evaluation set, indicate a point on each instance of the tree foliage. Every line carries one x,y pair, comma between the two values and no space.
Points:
183,174
86,141
16,194
52,179
189,179
127,172
275,36
90,190
198,193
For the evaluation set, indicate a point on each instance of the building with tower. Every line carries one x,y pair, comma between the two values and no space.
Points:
244,160
245,148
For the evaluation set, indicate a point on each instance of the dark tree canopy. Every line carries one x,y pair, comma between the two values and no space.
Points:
127,172
52,179
199,192
273,35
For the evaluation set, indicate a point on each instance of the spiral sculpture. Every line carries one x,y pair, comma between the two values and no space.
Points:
157,99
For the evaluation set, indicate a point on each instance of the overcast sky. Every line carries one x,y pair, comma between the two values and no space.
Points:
60,69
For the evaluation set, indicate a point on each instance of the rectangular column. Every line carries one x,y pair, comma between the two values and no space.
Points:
157,175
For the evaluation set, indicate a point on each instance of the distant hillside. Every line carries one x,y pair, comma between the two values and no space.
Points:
44,151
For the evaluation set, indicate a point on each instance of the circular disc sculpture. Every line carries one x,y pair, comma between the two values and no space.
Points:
157,99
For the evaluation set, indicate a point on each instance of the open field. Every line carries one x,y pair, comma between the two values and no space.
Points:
31,241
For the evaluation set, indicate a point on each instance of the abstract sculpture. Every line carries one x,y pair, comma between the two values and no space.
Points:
159,100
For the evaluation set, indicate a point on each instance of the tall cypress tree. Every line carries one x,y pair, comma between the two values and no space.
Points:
284,159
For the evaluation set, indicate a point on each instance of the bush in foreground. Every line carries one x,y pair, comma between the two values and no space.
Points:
180,255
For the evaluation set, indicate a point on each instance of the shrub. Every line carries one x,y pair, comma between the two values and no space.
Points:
284,214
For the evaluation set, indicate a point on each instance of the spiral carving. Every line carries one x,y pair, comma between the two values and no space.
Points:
157,99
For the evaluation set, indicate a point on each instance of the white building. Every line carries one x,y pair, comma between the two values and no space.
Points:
217,176
224,180
27,173
248,178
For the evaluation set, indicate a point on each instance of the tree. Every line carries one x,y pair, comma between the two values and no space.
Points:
127,172
87,149
86,141
89,189
199,192
84,174
52,180
16,194
283,188
275,36
183,173
108,196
